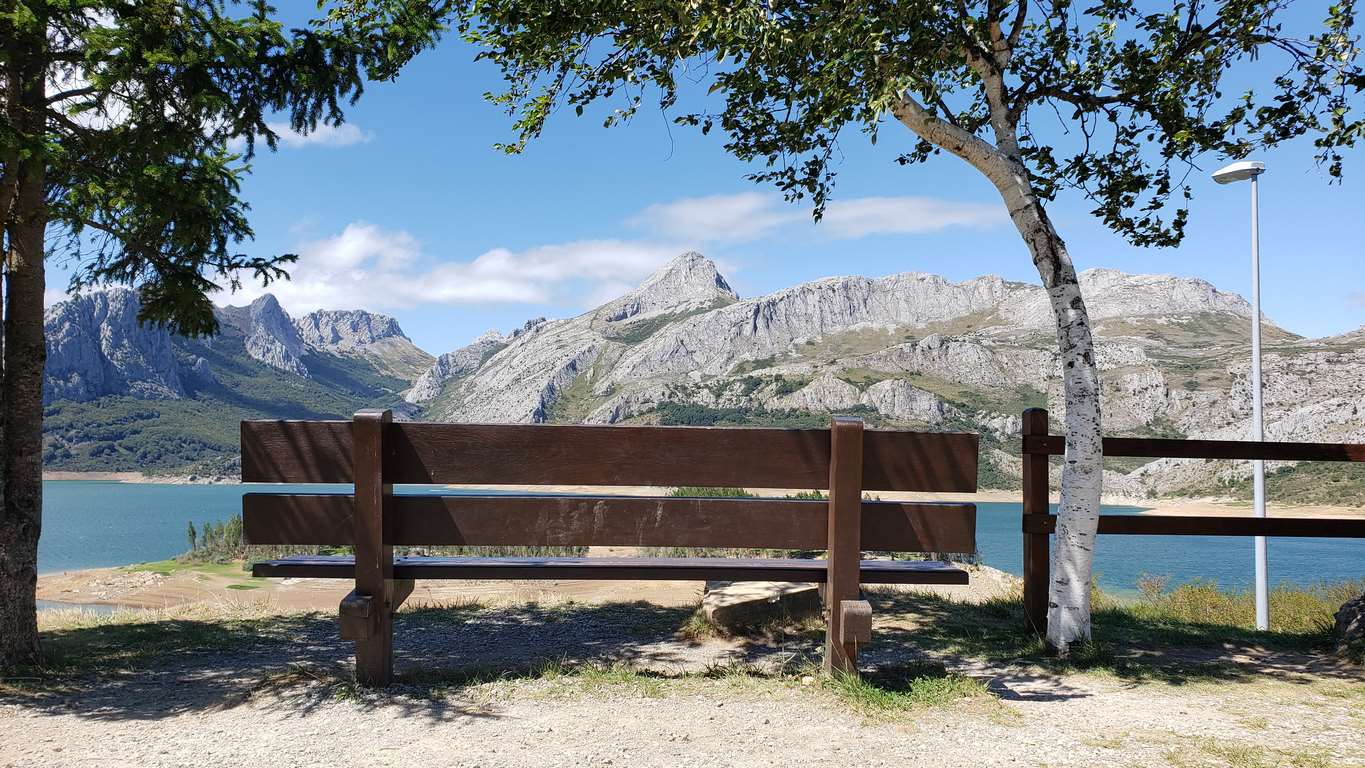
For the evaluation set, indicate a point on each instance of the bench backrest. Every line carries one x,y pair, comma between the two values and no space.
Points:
373,453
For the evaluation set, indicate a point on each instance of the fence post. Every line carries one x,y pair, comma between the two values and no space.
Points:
845,546
367,613
1036,565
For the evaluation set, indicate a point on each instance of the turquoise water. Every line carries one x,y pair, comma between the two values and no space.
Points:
88,524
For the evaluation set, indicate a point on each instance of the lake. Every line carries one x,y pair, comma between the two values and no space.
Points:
93,524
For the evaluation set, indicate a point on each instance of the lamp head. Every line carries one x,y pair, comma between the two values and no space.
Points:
1246,169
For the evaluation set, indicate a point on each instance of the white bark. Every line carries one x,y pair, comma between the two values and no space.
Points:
1078,513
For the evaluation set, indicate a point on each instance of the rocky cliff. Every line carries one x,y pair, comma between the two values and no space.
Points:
271,337
121,395
357,333
96,347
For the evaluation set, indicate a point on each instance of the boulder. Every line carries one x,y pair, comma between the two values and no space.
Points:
738,605
1350,629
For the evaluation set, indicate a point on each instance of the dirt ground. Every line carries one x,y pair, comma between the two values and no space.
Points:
247,682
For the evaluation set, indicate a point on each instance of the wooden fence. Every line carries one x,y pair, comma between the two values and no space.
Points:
1039,524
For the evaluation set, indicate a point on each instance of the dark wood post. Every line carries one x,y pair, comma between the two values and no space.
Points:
370,610
845,547
1036,565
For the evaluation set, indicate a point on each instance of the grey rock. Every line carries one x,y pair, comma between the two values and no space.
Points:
740,605
1350,628
360,334
688,282
904,402
824,394
202,371
271,337
453,365
96,347
346,331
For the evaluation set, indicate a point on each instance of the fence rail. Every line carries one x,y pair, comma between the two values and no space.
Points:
1039,523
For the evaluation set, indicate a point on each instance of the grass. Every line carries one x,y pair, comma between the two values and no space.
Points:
79,644
897,689
178,565
1175,636
1211,753
1293,610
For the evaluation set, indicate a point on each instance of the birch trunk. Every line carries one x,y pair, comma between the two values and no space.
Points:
1078,513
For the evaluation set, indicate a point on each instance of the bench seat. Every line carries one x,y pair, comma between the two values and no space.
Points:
622,568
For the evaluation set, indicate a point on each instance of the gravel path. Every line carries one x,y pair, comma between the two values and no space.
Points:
276,696
1101,723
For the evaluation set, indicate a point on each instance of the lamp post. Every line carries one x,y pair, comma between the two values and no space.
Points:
1251,169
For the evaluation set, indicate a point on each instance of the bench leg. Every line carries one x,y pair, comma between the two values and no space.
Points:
845,531
374,582
374,654
369,623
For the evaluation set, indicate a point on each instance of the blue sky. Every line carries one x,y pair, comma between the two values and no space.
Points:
408,210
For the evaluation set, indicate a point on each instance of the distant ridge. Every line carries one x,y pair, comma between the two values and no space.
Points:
906,350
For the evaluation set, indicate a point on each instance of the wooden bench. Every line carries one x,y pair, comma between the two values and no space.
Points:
373,452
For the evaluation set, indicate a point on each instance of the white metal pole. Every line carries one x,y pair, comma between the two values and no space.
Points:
1258,429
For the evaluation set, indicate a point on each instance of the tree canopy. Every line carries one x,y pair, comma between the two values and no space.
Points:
125,131
1116,100
1137,92
150,114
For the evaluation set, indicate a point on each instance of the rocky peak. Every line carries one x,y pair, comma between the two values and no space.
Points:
96,347
689,281
271,337
530,326
1119,294
453,365
346,331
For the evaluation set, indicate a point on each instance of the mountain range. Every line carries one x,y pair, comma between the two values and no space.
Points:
906,350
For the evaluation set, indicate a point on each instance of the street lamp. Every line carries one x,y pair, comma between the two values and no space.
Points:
1251,169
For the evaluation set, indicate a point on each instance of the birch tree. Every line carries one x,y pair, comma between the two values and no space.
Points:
118,129
1114,101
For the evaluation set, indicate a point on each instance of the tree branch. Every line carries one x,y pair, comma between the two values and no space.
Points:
71,94
981,154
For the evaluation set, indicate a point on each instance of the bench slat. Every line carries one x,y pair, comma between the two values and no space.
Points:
553,454
622,568
531,520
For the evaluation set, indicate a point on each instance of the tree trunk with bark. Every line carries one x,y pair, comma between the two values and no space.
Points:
25,355
1078,512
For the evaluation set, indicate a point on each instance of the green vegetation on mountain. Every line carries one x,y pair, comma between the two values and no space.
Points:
201,433
694,415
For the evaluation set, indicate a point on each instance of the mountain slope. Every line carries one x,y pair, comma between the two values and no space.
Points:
914,350
122,396
374,338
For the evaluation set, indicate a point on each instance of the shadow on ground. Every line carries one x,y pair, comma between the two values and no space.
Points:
157,669
987,637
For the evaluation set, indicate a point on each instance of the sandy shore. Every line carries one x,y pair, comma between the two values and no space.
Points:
1167,506
140,477
134,587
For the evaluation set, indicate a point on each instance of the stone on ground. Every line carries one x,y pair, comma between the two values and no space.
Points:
1350,628
738,605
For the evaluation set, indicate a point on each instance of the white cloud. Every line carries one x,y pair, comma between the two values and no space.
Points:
323,135
753,215
848,219
717,218
373,268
